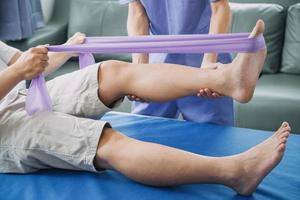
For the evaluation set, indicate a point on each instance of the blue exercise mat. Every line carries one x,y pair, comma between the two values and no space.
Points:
282,183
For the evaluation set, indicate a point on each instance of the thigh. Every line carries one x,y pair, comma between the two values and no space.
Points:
46,140
77,93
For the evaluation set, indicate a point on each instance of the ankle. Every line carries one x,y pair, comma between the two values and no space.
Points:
224,80
235,172
243,94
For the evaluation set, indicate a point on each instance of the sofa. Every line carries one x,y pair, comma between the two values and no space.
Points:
277,97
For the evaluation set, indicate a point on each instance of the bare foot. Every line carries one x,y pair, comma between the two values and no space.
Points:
259,161
244,71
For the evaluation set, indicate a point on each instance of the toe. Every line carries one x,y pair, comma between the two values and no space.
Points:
258,29
285,135
280,130
281,147
283,140
287,129
285,124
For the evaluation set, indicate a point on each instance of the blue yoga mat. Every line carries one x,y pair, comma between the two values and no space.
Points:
282,183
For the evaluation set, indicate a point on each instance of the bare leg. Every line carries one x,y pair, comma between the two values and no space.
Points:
163,82
158,165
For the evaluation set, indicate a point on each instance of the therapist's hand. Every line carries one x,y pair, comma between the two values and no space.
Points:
206,92
32,63
134,98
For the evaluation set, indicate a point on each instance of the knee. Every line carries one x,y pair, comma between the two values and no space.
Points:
110,144
111,79
113,70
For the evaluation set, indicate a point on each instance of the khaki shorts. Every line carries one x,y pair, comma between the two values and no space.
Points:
64,138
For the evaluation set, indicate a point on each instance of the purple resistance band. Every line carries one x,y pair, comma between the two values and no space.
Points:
38,99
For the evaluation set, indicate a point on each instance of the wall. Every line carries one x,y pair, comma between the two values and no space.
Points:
47,7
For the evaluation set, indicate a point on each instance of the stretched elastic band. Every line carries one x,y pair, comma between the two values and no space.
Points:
161,38
172,44
38,99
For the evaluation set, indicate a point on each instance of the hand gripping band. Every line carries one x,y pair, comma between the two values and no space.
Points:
38,99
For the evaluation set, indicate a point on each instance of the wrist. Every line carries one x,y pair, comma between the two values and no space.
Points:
16,73
70,55
67,56
64,55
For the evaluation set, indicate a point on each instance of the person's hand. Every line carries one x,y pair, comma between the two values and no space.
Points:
32,62
206,92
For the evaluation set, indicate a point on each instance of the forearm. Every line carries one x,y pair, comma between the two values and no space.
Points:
9,78
138,24
56,60
220,23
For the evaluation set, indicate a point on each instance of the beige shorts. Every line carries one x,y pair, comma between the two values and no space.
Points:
64,138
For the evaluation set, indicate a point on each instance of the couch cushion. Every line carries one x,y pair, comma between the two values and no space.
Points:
244,19
276,99
54,33
99,18
290,56
285,3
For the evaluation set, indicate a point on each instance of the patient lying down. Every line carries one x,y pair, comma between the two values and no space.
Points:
65,139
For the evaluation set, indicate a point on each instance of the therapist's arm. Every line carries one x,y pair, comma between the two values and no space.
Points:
220,23
138,24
